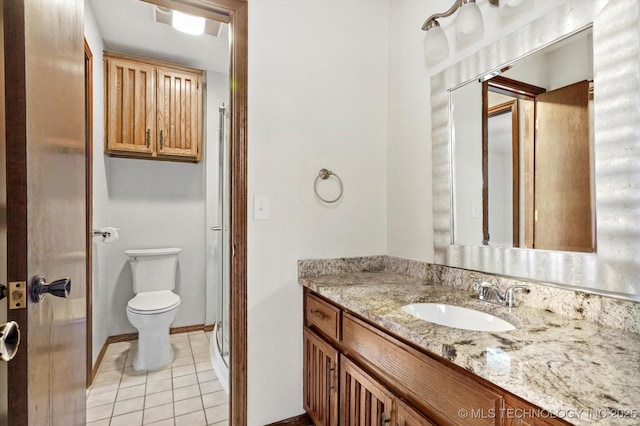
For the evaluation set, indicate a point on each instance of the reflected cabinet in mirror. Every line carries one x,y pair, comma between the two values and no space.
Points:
522,159
536,152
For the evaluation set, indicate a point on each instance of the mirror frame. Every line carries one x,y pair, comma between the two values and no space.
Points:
615,269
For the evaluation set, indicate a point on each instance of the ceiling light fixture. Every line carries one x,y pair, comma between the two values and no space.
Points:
469,25
187,23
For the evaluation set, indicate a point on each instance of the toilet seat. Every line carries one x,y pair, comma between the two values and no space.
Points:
153,302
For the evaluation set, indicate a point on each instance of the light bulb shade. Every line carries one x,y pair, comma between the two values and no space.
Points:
512,7
187,23
469,25
436,47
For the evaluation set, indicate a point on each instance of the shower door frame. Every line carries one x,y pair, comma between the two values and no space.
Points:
234,12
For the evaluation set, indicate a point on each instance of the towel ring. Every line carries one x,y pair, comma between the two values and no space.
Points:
324,175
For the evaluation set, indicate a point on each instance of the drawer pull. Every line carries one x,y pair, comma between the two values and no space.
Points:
319,314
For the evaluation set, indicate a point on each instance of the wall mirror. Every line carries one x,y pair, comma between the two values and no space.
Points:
522,152
494,230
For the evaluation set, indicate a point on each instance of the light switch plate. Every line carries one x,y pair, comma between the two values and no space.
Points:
261,207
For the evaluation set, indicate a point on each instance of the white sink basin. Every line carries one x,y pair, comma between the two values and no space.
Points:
457,317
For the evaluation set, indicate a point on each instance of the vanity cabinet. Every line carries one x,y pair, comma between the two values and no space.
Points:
385,380
153,109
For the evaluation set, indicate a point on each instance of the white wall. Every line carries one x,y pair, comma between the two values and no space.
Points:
156,204
100,305
317,98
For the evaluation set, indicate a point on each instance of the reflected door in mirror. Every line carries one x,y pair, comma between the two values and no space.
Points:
564,218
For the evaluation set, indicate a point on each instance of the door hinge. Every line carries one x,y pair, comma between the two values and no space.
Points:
535,215
17,295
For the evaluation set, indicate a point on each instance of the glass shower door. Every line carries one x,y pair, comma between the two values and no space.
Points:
222,336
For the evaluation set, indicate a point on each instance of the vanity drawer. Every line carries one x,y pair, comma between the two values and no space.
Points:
322,315
437,389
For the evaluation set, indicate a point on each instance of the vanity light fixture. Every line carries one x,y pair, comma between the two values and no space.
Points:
469,25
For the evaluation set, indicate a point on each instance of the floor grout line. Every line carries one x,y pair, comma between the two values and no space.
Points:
181,345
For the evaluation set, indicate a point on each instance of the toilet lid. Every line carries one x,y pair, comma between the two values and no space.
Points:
153,302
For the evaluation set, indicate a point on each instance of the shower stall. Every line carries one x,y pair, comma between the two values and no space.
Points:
220,337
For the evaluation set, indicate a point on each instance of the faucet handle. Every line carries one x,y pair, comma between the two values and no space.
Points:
482,287
510,298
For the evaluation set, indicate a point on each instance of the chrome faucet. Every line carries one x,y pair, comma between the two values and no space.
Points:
490,293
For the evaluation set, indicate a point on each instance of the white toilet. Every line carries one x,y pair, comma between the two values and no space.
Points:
154,306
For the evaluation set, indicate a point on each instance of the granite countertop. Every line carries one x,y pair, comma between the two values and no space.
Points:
573,368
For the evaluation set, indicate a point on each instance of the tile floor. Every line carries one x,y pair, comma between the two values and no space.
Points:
185,393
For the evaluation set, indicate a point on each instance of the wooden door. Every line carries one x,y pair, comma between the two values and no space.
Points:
320,381
46,206
130,107
407,416
563,192
363,400
178,109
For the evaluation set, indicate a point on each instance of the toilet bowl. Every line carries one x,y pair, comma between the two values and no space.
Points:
154,306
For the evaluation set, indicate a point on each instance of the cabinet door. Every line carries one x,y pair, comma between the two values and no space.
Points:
363,400
178,112
130,107
407,416
320,380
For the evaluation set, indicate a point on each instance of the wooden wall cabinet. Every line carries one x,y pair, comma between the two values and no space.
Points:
385,381
152,109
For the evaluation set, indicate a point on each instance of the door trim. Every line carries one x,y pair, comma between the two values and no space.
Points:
16,157
237,13
88,99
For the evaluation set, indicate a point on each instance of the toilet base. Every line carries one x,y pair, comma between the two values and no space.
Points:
154,350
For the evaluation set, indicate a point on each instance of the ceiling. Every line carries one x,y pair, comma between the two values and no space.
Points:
129,26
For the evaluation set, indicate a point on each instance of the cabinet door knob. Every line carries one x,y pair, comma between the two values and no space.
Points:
319,314
161,139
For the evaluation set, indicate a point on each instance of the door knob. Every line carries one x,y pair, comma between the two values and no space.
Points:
9,340
59,288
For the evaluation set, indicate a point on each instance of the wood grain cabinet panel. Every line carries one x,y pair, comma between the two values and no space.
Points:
407,416
130,107
320,383
363,400
152,109
323,316
178,113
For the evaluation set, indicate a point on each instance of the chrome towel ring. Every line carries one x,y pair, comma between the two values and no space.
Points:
324,175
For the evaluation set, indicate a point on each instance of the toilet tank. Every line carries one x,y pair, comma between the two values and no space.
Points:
153,269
